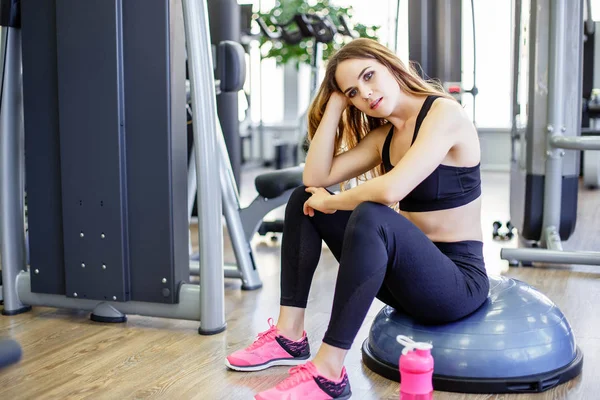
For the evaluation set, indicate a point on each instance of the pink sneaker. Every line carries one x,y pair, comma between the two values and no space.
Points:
268,350
305,383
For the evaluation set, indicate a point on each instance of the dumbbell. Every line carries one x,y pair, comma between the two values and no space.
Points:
498,235
510,232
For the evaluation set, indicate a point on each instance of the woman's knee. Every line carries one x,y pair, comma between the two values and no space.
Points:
299,196
364,220
369,208
369,214
297,199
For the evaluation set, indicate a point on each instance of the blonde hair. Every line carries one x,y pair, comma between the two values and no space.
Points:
355,125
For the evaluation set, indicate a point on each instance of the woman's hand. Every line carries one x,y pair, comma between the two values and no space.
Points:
316,201
338,100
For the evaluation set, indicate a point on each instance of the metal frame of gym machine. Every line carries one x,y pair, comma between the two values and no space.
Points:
562,67
203,303
274,188
242,223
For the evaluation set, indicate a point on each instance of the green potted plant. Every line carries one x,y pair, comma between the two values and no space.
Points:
284,10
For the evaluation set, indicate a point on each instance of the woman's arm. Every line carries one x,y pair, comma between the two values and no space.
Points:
438,134
322,169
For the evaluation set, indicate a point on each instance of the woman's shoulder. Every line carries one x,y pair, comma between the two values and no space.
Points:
446,105
450,111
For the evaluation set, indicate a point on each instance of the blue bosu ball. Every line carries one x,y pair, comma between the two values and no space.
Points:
517,341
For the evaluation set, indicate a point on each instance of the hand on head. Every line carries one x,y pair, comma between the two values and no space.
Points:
339,100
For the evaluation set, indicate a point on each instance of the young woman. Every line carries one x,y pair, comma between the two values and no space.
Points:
409,234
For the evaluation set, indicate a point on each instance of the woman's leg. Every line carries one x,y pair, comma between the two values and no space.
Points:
286,342
300,254
385,253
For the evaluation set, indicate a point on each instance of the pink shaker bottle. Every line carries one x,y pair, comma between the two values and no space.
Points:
416,370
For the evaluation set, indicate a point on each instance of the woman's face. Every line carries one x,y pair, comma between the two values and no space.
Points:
369,86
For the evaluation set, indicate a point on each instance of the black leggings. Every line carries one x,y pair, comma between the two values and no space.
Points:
381,254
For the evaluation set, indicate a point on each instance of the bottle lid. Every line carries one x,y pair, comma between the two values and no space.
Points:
410,344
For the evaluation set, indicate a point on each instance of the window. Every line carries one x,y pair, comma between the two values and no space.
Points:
493,24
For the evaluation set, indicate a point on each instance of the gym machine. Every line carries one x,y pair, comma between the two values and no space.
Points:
273,188
544,178
106,160
590,160
435,35
225,27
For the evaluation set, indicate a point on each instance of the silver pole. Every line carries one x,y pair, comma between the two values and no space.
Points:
204,111
245,269
552,256
576,142
231,208
515,76
230,270
315,68
589,21
12,223
556,125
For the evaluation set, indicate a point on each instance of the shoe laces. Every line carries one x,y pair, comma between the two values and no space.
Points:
298,374
265,336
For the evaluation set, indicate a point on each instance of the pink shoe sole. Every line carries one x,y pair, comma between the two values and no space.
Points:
271,363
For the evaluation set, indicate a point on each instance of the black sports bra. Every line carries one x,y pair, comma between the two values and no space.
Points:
446,187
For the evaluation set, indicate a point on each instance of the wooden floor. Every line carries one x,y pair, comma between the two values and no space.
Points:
67,356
